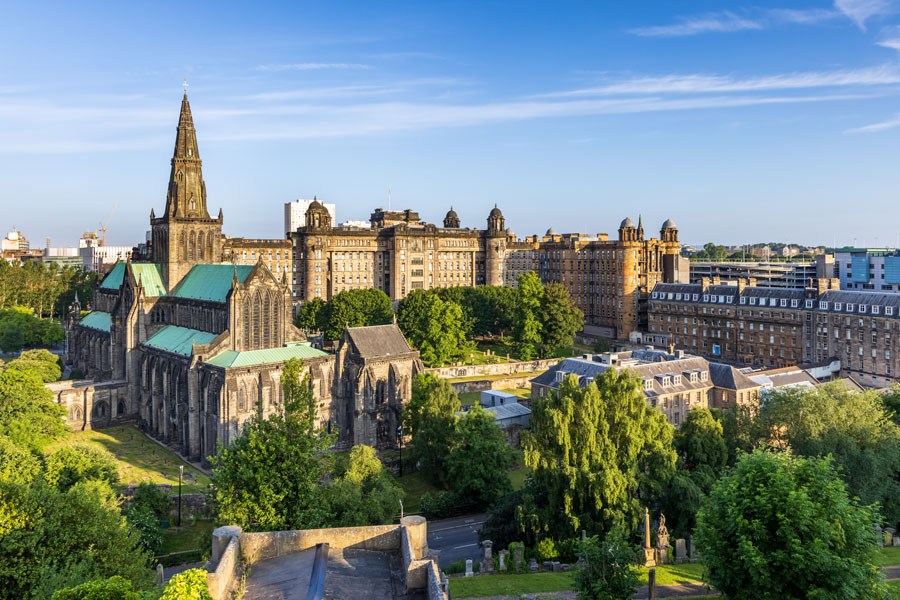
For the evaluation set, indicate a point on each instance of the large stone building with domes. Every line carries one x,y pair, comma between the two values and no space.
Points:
611,280
190,343
399,253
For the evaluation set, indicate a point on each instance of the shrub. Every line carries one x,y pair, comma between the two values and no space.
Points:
142,519
187,585
546,549
114,588
68,465
150,496
438,505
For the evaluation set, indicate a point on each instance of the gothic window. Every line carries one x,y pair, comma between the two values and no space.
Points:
121,408
200,246
257,326
267,319
182,254
241,400
191,247
247,325
209,248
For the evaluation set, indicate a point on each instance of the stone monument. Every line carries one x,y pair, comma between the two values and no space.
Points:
517,554
487,563
469,572
649,552
502,555
662,541
680,551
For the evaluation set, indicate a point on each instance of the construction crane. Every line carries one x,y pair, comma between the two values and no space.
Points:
102,228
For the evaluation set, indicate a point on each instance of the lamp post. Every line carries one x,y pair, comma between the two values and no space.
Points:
400,444
180,474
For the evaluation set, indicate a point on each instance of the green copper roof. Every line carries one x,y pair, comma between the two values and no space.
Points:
150,277
230,358
114,278
179,340
210,282
97,320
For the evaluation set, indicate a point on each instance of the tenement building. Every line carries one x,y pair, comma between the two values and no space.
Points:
610,280
675,383
777,327
399,253
191,346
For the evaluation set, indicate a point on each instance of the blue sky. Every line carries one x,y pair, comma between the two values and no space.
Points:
765,121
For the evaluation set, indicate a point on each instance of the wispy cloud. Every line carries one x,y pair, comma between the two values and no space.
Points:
876,127
728,21
311,66
893,41
860,11
706,84
712,22
356,90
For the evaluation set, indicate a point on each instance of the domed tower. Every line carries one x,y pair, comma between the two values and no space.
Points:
627,230
317,216
494,247
451,221
668,232
496,224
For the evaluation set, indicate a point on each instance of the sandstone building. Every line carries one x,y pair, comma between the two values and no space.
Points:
191,346
675,383
778,327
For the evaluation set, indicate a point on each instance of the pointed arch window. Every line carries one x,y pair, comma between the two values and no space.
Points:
200,247
192,244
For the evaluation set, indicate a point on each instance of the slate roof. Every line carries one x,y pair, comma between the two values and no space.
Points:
210,282
231,358
508,411
150,277
114,278
726,376
857,298
97,320
179,340
784,377
378,340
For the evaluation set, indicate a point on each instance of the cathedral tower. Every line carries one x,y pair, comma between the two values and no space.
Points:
185,235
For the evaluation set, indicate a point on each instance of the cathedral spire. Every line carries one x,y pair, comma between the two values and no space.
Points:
187,191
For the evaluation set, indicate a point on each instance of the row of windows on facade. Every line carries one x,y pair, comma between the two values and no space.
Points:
288,255
874,309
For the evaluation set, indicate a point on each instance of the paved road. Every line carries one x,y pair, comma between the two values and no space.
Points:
457,539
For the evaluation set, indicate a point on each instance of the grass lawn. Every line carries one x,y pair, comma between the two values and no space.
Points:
189,537
888,557
529,374
531,583
141,460
414,485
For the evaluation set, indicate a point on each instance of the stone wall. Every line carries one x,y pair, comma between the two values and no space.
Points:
269,544
91,405
224,565
509,368
436,588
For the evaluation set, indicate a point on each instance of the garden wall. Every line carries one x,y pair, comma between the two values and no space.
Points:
479,385
508,368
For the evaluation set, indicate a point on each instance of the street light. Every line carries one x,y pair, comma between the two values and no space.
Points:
180,474
400,444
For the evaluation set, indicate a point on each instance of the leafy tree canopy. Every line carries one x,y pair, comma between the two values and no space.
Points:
595,451
779,527
114,588
435,327
608,568
354,308
430,418
365,494
560,319
28,415
268,478
479,461
310,315
527,326
67,465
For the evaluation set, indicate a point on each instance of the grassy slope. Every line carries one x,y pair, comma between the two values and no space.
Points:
141,460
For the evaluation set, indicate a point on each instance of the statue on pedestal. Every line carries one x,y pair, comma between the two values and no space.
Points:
662,541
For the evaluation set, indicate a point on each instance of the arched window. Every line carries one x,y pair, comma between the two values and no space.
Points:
209,248
257,325
182,252
266,320
241,400
191,246
247,337
200,246
121,408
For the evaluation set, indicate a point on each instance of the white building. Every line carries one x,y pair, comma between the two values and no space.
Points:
295,213
94,258
14,240
873,269
357,224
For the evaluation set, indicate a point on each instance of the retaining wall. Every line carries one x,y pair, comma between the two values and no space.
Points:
508,368
269,544
479,385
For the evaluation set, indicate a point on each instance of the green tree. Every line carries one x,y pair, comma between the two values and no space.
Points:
608,568
310,315
526,319
479,462
779,527
141,518
355,308
560,319
434,327
43,363
67,465
700,444
430,418
53,539
28,415
365,494
852,427
268,478
595,451
17,464
114,588
187,585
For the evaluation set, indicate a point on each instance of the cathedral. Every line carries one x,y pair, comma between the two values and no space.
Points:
190,347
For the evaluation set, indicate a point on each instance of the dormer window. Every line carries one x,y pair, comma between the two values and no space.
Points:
862,308
696,296
809,304
794,303
653,295
837,306
560,376
849,307
752,301
889,310
875,309
743,300
730,299
704,375
676,380
667,381
783,302
648,385
694,377
823,306
706,297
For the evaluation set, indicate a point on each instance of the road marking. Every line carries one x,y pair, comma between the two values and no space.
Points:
469,520
466,546
455,527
